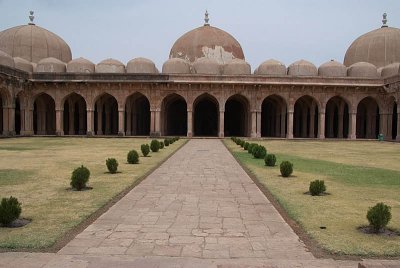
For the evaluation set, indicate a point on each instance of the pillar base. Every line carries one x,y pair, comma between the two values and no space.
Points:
352,137
289,136
121,133
59,133
398,138
221,135
155,134
99,132
90,133
321,137
189,135
26,133
128,133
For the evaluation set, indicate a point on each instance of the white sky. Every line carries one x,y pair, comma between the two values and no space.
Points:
286,30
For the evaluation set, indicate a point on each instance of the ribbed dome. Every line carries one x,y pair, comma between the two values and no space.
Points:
207,66
6,59
176,66
207,42
110,66
34,43
380,47
363,70
141,65
80,65
237,67
391,70
271,67
332,69
23,64
302,68
50,65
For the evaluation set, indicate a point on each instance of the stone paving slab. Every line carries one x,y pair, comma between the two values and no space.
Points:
198,209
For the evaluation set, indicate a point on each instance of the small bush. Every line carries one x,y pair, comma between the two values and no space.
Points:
246,146
238,141
161,145
270,160
155,146
171,141
251,147
379,216
145,148
259,152
166,142
133,157
112,165
79,178
317,187
10,209
286,168
242,142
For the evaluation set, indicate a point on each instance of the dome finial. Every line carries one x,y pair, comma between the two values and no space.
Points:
206,19
31,18
384,20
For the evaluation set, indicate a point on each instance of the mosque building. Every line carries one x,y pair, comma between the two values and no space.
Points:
205,88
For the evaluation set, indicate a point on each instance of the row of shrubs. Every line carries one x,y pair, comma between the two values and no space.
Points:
10,208
378,216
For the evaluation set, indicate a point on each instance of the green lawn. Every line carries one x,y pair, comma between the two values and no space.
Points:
357,175
37,171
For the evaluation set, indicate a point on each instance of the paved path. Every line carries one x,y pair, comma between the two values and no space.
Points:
199,209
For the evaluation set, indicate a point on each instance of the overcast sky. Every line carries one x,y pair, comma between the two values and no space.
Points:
286,30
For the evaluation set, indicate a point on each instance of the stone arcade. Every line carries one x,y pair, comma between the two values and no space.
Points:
206,88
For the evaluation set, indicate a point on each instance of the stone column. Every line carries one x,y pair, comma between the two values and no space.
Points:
221,133
304,124
189,123
158,122
398,126
121,126
321,124
90,122
11,121
81,121
71,116
352,125
283,122
128,122
383,124
153,122
389,129
312,122
277,130
289,122
341,119
99,119
107,129
253,133
59,122
27,129
5,121
259,118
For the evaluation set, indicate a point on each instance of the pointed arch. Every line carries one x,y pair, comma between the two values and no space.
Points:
305,118
206,116
237,116
74,114
273,116
137,115
174,115
337,118
368,118
106,115
44,115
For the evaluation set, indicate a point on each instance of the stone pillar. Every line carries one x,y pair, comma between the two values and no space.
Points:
158,122
107,129
398,126
283,122
259,118
81,121
5,121
352,125
253,124
189,123
99,119
27,128
221,132
59,122
330,119
312,122
71,116
321,124
304,124
153,122
11,121
289,122
341,120
389,129
90,122
128,122
121,127
383,124
277,130
373,126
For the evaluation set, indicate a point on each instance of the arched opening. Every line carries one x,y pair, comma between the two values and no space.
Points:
337,118
17,118
368,119
273,117
1,115
206,116
75,115
236,117
305,121
394,121
174,116
44,115
137,115
106,115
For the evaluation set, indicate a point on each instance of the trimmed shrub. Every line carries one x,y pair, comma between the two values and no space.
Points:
259,152
161,145
246,146
251,147
79,178
286,168
270,160
166,142
155,146
238,142
133,157
145,148
171,141
112,165
242,142
379,216
317,187
10,209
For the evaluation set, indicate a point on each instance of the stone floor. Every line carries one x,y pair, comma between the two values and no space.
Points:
198,209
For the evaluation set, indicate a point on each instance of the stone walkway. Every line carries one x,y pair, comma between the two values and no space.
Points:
199,209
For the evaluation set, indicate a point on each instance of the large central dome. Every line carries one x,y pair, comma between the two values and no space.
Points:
207,42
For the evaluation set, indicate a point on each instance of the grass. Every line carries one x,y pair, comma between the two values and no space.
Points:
37,171
357,175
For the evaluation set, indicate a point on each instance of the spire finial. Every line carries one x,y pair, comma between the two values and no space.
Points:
384,20
31,18
206,19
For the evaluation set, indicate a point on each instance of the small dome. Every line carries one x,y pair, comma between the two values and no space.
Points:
391,70
176,66
23,65
271,67
302,68
332,69
6,60
237,67
80,65
206,66
141,65
110,66
362,69
50,65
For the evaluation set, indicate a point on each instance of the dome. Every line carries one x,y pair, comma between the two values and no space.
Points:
110,66
141,65
271,67
237,67
207,42
6,59
80,65
332,69
176,66
391,70
363,70
207,66
50,65
302,68
23,64
34,43
379,47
